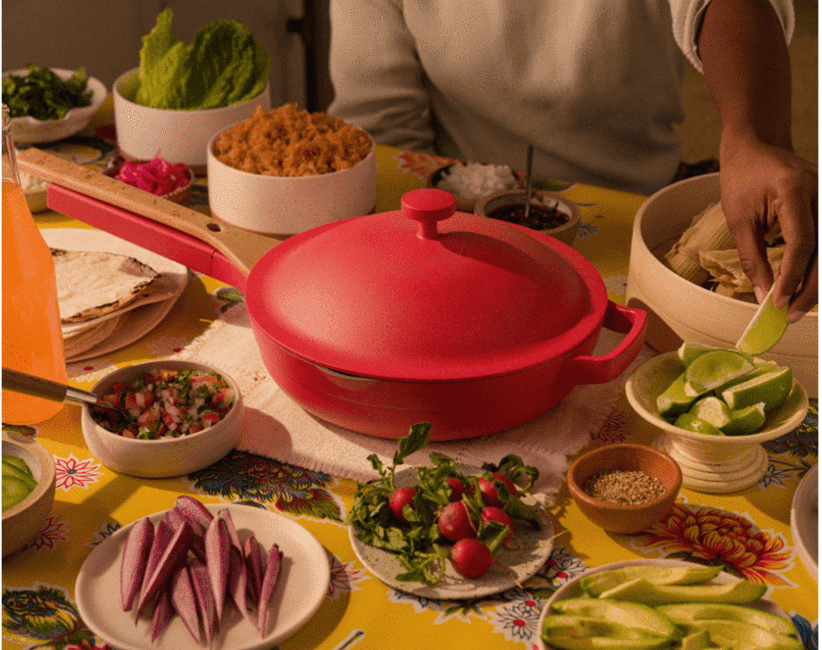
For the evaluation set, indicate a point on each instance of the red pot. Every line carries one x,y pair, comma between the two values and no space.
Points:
378,322
424,315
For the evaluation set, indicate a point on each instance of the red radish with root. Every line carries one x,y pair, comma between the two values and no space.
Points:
457,489
492,513
471,558
489,488
399,499
455,522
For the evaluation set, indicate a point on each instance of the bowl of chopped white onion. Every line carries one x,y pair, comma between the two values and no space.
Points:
170,418
471,181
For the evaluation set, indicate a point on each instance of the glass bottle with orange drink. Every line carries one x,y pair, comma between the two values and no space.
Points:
32,336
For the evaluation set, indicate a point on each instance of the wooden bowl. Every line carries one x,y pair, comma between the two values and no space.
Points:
617,517
25,520
566,232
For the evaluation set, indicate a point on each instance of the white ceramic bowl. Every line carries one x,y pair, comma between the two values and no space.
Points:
165,457
287,205
571,589
25,520
566,233
680,310
28,130
710,463
177,136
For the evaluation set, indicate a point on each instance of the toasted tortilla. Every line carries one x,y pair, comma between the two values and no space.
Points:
92,284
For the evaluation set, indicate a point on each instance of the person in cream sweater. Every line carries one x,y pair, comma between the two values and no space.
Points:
595,87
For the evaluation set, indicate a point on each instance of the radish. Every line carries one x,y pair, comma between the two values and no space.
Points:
238,584
225,515
206,605
471,558
492,513
173,556
271,578
135,554
253,554
185,602
217,545
162,615
489,488
193,511
457,489
399,498
455,522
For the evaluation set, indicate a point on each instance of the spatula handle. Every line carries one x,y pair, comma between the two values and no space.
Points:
242,247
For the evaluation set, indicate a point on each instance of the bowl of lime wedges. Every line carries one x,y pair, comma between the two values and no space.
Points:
714,407
29,482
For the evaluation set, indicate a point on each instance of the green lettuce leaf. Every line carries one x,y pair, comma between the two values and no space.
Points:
222,66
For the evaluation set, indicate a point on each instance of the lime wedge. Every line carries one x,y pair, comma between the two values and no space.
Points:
713,410
690,350
772,388
760,368
713,369
765,328
746,421
690,422
673,400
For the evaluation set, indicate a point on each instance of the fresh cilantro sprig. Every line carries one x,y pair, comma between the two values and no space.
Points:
419,546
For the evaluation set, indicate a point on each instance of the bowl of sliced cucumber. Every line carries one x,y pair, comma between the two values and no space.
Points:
660,603
28,490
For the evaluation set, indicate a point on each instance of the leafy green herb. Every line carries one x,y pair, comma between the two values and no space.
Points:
42,95
419,545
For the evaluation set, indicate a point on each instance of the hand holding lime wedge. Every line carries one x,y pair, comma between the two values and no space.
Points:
765,329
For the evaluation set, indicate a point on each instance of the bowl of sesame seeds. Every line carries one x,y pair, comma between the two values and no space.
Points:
624,488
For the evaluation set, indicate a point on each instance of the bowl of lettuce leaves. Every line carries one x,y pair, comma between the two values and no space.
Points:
183,93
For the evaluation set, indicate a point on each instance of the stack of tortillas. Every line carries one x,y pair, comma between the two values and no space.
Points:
110,292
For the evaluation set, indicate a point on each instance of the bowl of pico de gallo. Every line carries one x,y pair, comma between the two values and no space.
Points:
170,418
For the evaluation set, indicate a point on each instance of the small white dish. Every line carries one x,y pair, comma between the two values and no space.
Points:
571,589
715,464
524,562
303,587
28,130
805,521
166,457
23,521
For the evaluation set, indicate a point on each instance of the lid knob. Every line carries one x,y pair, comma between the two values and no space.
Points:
428,206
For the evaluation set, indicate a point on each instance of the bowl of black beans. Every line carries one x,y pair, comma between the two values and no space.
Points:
548,213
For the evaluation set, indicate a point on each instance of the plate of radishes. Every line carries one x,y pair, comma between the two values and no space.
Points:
446,530
174,579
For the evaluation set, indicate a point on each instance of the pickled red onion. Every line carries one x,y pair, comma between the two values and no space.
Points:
157,176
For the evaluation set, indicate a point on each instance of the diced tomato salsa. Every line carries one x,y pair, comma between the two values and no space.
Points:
166,403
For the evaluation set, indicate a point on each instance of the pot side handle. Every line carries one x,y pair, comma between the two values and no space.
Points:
599,370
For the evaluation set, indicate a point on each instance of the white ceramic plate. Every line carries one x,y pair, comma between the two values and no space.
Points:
143,316
805,520
571,589
303,586
535,548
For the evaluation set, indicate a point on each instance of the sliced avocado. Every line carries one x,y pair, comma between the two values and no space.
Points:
742,636
697,641
594,584
640,590
691,612
17,462
12,471
632,616
586,633
14,491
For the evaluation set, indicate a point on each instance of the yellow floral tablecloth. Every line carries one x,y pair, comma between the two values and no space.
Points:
748,532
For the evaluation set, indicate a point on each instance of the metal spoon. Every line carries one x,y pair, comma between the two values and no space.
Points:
528,175
21,382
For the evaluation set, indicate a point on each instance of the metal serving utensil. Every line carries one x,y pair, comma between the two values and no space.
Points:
21,382
528,178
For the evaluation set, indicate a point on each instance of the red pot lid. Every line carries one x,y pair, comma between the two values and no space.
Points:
425,294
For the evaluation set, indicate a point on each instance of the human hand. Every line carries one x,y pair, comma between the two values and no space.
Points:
760,186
